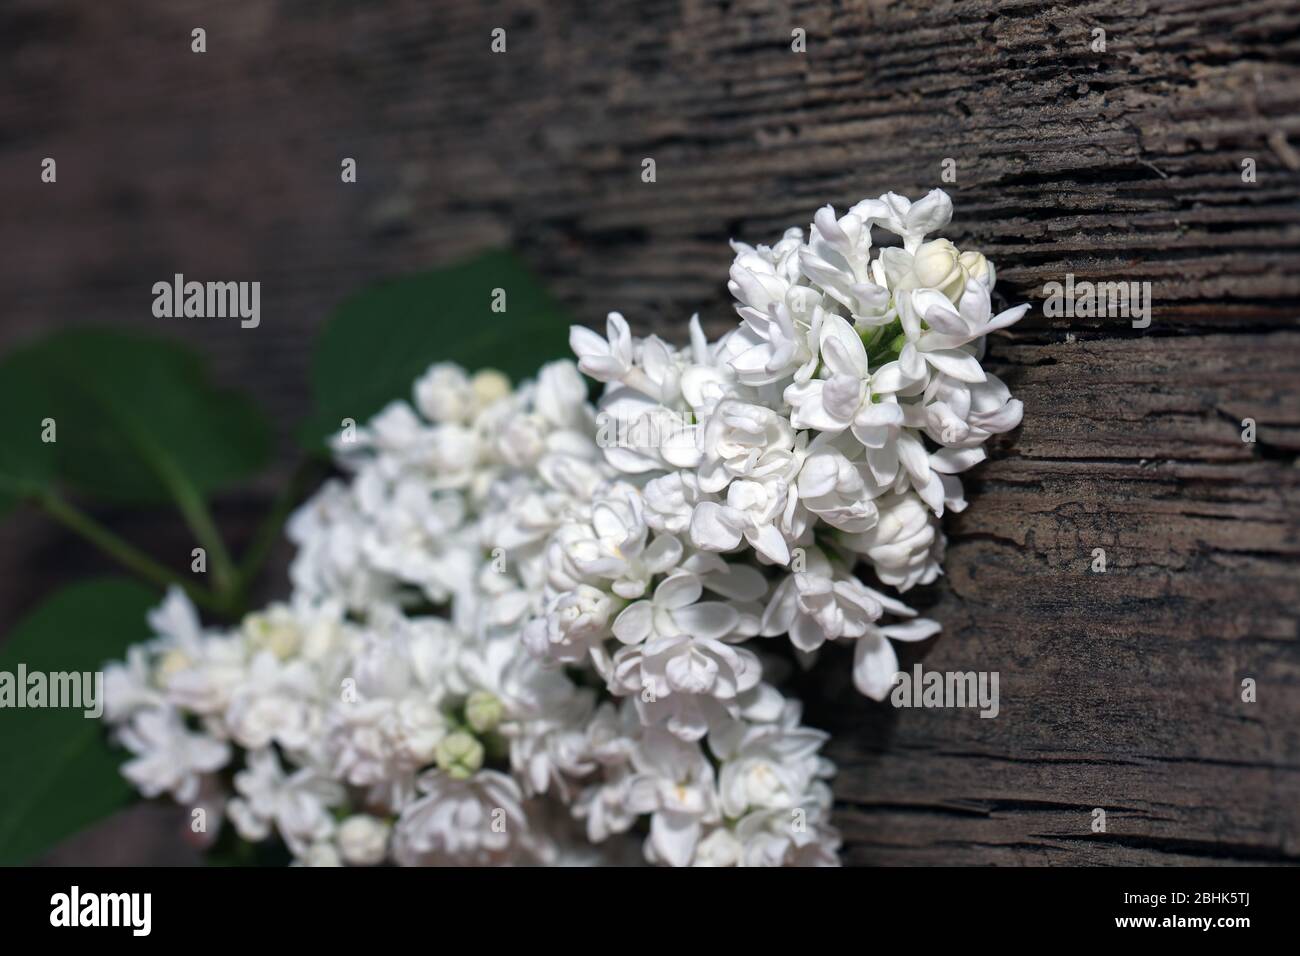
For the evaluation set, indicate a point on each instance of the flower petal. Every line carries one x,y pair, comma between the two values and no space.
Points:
678,590
915,630
708,620
635,623
874,666
960,365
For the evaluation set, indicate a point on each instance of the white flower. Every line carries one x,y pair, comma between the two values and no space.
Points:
845,397
874,660
176,624
633,430
560,397
978,268
363,840
129,687
490,386
525,516
822,604
204,679
814,608
542,713
380,745
387,721
707,376
673,782
522,440
444,394
614,546
318,854
449,457
936,266
275,702
670,501
794,837
767,765
296,805
677,651
761,277
675,609
608,359
397,434
911,220
742,440
719,848
836,489
865,404
554,607
660,375
964,415
736,581
167,757
604,805
477,821
413,536
772,348
904,546
575,621
838,258
274,630
568,846
331,564
943,350
760,512
778,338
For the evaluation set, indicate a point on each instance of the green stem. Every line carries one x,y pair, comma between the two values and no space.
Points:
120,550
190,501
199,519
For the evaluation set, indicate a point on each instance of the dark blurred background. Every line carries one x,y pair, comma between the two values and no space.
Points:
1122,162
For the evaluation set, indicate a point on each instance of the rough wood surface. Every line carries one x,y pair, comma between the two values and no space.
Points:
1119,690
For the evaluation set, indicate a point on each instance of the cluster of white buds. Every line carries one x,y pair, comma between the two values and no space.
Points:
530,630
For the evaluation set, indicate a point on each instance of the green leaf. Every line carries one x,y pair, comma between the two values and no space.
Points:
26,462
57,771
383,338
135,416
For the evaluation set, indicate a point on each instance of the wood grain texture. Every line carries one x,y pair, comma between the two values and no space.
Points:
1119,690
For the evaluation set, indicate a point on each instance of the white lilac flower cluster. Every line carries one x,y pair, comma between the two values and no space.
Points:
529,630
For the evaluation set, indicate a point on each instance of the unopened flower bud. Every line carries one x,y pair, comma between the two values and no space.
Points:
444,394
363,840
483,710
937,266
978,268
272,630
490,385
459,755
